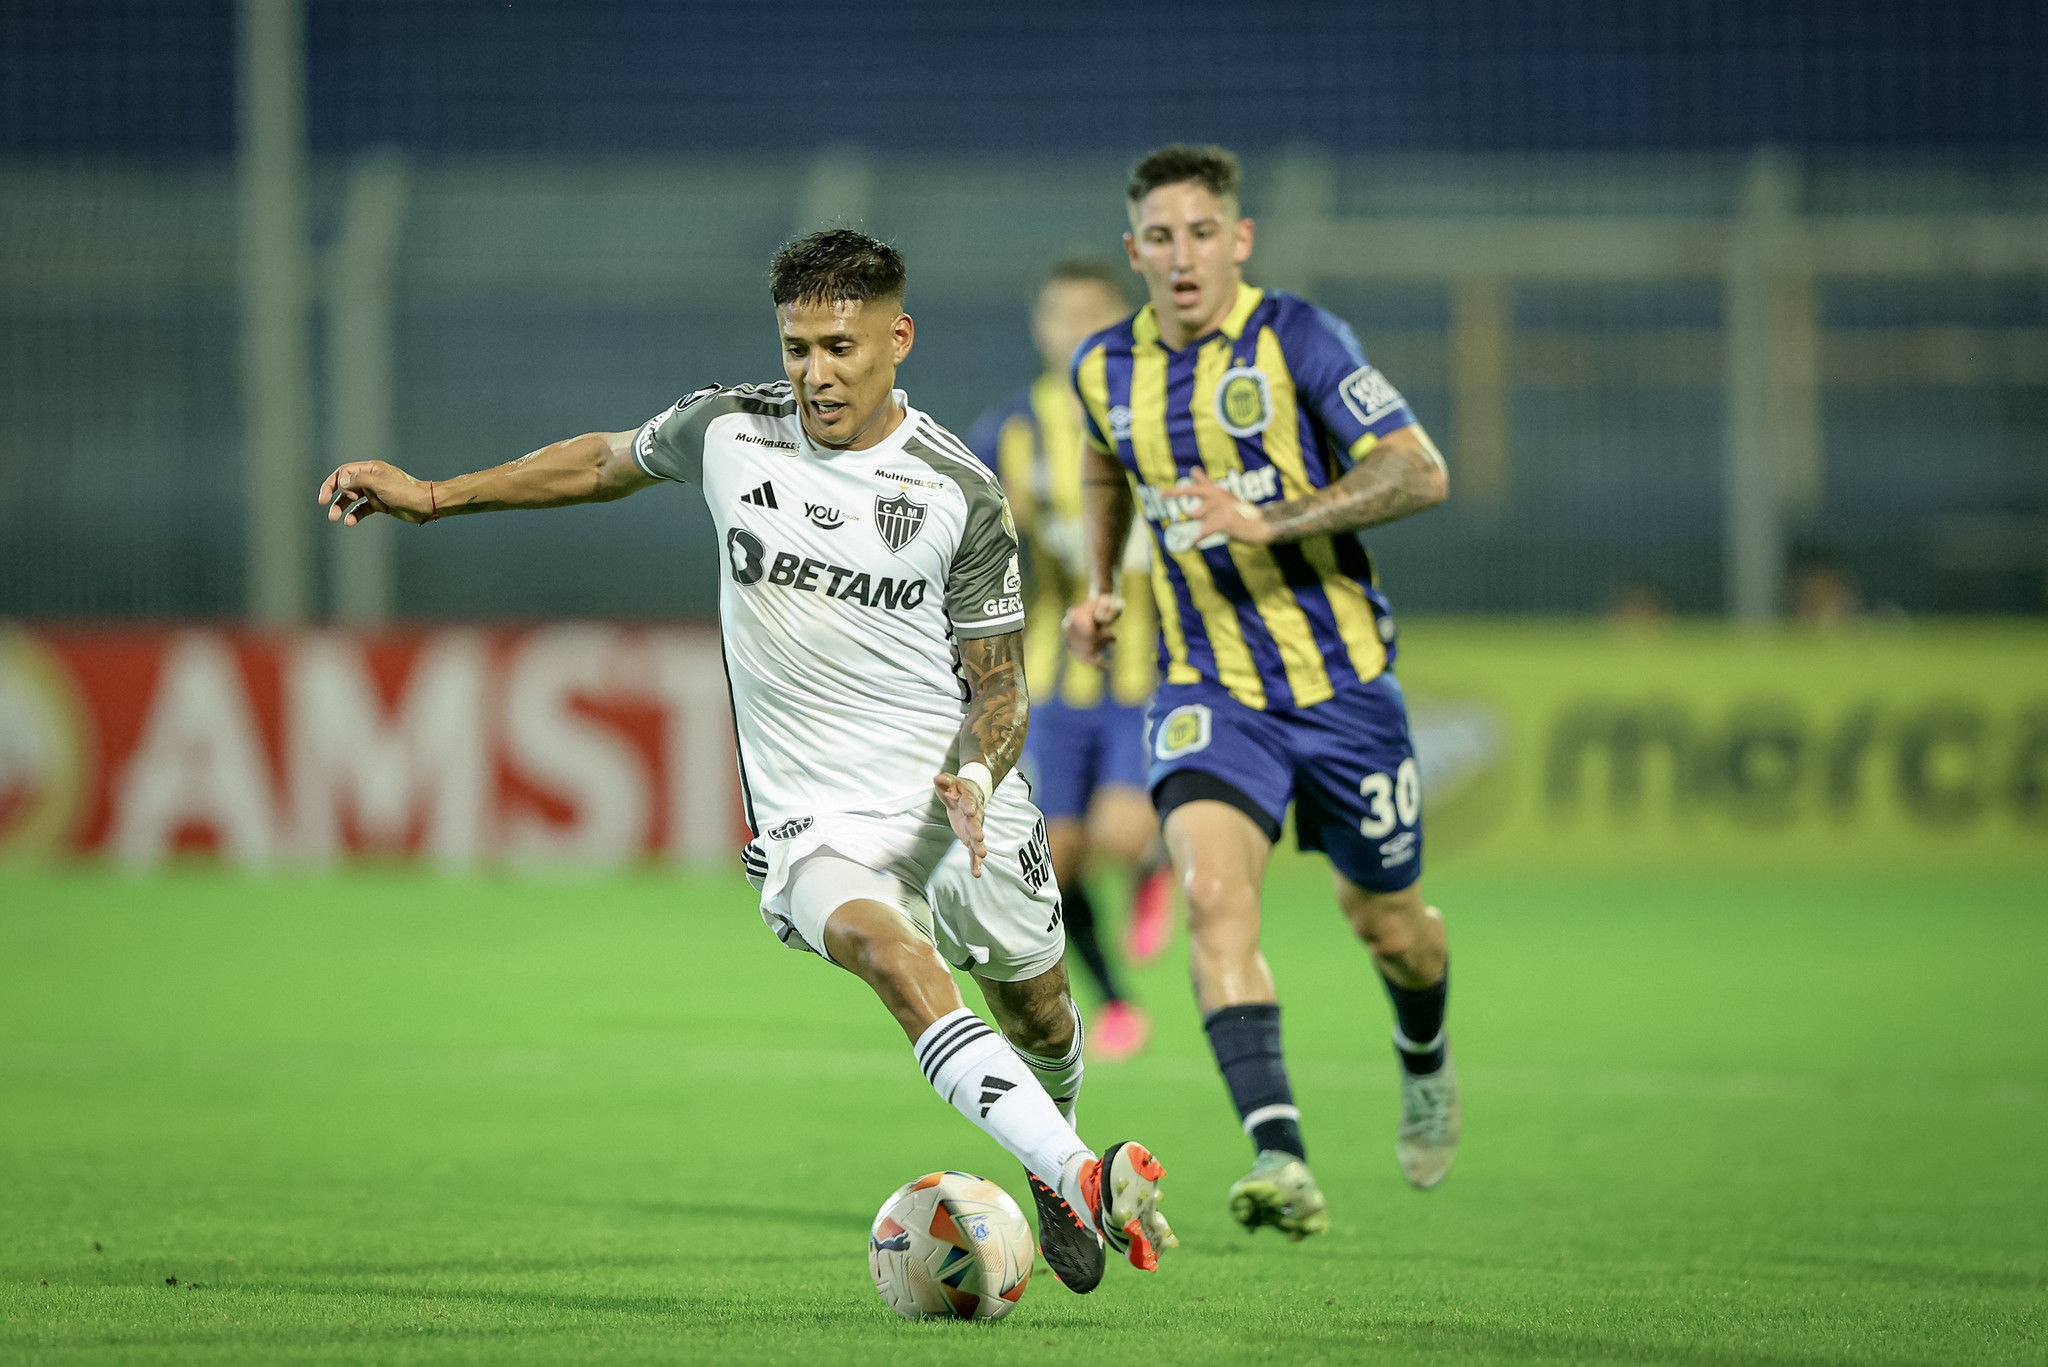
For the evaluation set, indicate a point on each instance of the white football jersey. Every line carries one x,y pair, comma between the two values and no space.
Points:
847,578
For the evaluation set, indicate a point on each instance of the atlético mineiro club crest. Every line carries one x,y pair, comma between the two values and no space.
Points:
898,520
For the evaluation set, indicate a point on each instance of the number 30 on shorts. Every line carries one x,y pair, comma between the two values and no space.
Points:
1390,800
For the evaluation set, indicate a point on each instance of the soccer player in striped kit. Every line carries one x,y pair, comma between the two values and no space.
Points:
1086,752
1256,440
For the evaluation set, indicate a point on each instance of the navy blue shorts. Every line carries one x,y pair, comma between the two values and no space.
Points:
1072,751
1347,764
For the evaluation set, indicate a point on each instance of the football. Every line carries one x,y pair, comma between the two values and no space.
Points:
950,1246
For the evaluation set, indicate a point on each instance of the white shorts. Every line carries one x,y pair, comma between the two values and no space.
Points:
1004,925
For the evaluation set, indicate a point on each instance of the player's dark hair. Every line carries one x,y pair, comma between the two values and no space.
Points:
1096,270
835,264
1209,166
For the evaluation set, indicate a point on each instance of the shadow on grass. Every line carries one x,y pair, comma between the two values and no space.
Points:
651,1305
254,1274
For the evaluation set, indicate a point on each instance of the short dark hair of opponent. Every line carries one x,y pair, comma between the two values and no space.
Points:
1209,166
1095,270
836,264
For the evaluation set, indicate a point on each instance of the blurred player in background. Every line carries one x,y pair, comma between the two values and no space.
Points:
1086,751
1259,441
872,623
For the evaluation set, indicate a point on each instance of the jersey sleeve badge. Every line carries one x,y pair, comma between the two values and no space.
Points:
1369,395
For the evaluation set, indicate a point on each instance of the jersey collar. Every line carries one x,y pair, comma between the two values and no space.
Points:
1145,326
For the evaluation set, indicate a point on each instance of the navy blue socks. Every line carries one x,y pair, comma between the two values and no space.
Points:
1419,1022
1246,1042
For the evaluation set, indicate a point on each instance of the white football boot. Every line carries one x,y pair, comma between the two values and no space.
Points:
1427,1143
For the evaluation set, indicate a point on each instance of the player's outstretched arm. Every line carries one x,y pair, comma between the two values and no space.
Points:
991,734
1403,474
1106,512
593,468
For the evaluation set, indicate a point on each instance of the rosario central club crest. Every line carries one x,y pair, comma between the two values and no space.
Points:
898,519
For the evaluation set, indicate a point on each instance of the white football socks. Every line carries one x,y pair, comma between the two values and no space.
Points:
1061,1076
975,1070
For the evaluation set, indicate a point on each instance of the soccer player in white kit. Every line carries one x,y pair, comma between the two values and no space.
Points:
873,630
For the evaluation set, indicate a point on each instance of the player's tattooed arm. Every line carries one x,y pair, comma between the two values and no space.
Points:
991,735
1400,476
593,468
1403,474
998,707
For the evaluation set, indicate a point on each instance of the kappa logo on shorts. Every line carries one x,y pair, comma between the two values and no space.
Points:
793,827
1182,731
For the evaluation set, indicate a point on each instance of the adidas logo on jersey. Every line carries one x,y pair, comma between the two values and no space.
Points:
761,497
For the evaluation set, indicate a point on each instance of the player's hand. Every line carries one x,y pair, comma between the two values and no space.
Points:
965,803
1090,627
363,487
1219,510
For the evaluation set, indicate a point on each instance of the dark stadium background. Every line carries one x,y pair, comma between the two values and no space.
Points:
377,982
990,142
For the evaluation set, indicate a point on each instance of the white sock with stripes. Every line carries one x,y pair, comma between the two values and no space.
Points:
975,1070
1061,1075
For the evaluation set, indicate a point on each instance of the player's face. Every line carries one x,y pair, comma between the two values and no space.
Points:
1190,246
841,359
1067,312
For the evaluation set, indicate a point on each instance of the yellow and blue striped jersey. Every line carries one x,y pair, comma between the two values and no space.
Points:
1275,403
1033,443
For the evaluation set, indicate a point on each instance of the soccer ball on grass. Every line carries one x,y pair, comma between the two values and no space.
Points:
950,1246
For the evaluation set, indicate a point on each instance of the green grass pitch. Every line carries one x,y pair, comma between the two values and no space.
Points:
388,1118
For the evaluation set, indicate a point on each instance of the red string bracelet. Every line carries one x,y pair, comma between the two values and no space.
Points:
433,504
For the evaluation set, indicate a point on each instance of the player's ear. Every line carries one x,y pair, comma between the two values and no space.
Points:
1241,250
902,333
